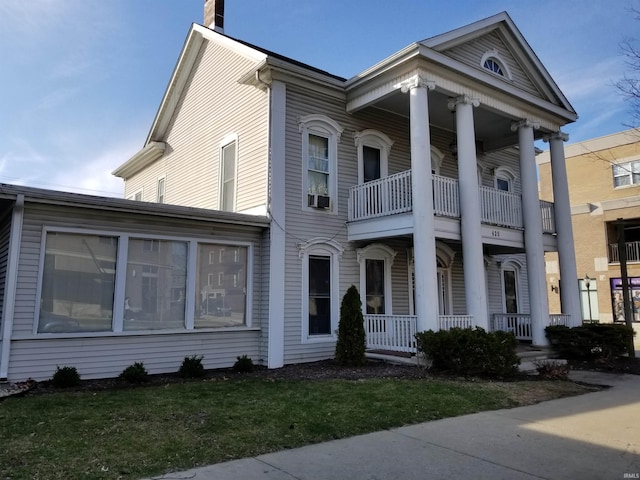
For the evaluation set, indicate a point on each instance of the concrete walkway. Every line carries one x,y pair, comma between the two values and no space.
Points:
592,436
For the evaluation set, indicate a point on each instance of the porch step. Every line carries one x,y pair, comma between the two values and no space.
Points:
398,358
530,356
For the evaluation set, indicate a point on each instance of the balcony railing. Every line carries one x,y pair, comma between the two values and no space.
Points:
632,249
392,195
500,208
395,333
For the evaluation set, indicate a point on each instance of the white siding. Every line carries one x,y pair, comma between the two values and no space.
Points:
213,105
36,356
5,231
471,53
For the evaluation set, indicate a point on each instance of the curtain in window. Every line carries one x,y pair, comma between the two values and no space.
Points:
318,165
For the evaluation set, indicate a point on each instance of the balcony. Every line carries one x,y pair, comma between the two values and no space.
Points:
392,196
632,250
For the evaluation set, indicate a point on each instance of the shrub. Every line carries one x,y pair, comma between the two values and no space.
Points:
135,373
65,377
351,344
471,352
192,367
552,369
590,342
243,364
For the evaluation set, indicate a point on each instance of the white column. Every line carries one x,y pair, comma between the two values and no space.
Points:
277,240
424,240
569,293
470,224
534,246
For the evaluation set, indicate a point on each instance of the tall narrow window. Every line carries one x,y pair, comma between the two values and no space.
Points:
509,279
375,281
228,171
160,193
371,163
319,295
320,137
318,165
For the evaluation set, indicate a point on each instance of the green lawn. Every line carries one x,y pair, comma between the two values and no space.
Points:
137,432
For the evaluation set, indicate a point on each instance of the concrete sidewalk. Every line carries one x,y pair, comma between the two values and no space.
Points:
592,436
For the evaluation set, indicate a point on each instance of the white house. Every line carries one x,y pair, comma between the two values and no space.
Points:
414,180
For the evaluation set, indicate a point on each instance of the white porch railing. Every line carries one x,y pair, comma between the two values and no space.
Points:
391,332
385,196
517,323
548,217
500,208
392,195
446,322
559,319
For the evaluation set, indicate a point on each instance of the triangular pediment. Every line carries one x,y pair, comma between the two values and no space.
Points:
498,38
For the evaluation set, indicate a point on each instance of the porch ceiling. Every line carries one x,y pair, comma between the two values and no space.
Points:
493,130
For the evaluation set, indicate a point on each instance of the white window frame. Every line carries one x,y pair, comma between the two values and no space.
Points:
138,195
322,126
506,174
446,256
161,189
120,281
328,248
377,251
374,139
629,167
513,266
226,141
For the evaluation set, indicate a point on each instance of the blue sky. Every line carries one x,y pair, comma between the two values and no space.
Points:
82,79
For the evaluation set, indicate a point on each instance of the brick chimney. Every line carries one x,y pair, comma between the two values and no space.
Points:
214,15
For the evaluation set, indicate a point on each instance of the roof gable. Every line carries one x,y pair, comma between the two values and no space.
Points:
498,36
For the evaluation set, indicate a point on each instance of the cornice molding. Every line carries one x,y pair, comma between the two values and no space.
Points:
149,154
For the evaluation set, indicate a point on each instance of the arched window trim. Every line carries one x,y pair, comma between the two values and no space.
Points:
322,126
375,139
495,57
515,265
329,248
504,173
377,251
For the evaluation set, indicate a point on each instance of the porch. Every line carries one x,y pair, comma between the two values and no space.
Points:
392,195
396,333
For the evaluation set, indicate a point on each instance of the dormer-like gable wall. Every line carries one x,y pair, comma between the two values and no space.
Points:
212,110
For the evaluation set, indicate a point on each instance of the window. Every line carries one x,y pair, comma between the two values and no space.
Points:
626,174
373,154
78,283
221,255
504,179
319,295
225,303
589,300
153,275
137,196
510,273
228,173
320,289
160,190
493,62
375,278
320,137
92,282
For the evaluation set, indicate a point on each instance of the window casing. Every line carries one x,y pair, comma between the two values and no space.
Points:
375,262
510,278
228,173
320,137
320,289
95,282
625,174
373,155
494,63
160,190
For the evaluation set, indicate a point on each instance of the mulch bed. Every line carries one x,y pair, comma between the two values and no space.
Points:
617,365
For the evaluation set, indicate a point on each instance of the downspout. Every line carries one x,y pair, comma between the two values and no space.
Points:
11,282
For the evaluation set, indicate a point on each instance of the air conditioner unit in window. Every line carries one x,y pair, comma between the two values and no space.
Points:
319,201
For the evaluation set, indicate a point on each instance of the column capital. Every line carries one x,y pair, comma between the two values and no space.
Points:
464,99
525,123
416,82
559,135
